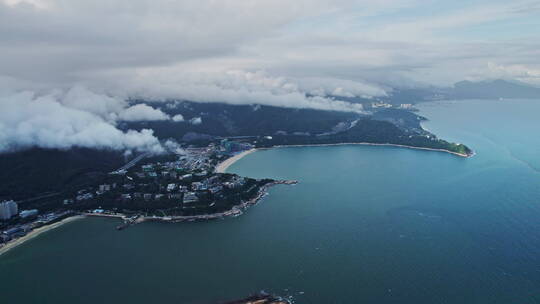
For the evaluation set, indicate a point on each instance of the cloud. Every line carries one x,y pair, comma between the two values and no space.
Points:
528,74
81,98
245,87
60,43
174,147
195,121
142,112
53,121
178,118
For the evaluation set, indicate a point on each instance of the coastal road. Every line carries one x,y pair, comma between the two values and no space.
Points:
132,163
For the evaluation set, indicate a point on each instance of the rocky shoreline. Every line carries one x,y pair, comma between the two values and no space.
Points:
261,298
235,211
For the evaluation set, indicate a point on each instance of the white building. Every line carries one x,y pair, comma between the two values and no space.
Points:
8,209
28,213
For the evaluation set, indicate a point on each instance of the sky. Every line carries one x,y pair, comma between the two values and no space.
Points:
86,57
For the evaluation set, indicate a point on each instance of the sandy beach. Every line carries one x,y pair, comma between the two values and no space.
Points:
32,234
222,167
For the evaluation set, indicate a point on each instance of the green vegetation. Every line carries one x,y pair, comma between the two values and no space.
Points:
40,172
371,131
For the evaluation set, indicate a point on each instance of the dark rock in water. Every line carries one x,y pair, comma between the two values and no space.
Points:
260,299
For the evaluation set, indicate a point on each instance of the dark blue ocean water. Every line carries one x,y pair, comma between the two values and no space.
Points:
365,225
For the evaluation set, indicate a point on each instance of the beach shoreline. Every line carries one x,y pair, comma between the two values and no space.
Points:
35,232
222,167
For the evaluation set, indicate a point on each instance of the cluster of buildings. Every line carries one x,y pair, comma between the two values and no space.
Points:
184,180
406,106
18,230
228,146
188,179
380,105
187,191
10,209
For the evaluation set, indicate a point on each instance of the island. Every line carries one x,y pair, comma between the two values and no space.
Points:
261,298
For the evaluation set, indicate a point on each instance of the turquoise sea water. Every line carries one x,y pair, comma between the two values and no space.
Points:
364,225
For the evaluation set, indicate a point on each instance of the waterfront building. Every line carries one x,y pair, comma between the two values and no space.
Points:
28,213
14,232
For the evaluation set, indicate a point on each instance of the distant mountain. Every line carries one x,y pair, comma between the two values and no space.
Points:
219,119
493,89
489,89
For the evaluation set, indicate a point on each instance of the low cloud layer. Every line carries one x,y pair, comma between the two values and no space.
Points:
142,112
60,120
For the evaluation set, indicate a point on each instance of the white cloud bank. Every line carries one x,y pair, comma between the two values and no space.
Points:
195,121
142,112
61,120
178,118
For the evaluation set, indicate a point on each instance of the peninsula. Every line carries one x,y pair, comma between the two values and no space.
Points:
192,184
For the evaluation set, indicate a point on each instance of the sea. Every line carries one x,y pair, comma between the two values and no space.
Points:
365,224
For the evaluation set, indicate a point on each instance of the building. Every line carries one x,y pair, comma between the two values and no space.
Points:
216,189
28,213
8,209
198,186
233,146
190,197
104,188
407,106
14,232
174,195
186,176
148,168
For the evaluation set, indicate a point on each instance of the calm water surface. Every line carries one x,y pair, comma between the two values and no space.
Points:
365,225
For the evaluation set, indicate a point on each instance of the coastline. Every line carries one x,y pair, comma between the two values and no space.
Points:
222,167
235,211
375,144
35,232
